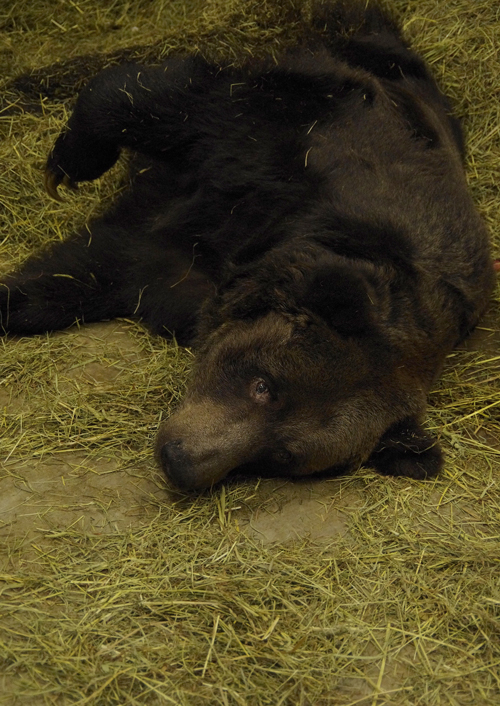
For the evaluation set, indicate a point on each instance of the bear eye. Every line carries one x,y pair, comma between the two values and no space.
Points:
259,390
283,456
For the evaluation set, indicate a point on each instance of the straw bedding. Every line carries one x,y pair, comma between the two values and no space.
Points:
116,590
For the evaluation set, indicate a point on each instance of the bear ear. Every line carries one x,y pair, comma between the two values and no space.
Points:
406,450
341,297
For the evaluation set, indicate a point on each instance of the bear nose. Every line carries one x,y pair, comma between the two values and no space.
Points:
176,464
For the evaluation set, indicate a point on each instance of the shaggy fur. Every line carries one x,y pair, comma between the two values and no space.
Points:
306,224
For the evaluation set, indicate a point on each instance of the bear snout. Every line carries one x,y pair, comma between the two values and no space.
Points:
203,441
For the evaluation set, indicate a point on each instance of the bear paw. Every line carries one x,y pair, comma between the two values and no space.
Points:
77,157
406,450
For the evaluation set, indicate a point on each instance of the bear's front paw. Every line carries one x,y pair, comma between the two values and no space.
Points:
406,450
77,157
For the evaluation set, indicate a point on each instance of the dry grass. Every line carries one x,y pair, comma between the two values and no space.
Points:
186,608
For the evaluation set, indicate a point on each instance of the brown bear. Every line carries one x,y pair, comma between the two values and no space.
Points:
305,223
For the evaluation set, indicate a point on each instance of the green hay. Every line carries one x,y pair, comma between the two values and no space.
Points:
186,607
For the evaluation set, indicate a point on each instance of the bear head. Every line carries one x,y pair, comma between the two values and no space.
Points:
297,373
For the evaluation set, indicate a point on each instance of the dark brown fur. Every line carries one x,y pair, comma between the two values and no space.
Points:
307,225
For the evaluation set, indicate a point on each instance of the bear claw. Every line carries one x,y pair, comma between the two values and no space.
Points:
51,182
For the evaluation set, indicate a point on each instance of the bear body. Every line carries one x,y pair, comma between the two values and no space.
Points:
306,224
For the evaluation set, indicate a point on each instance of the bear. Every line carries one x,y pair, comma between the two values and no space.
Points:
303,222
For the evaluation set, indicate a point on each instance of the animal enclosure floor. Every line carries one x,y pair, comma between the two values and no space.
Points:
115,590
